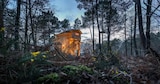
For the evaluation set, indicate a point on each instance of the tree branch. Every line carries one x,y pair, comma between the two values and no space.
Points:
155,9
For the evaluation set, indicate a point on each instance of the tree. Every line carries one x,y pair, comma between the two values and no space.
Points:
1,21
148,23
17,25
77,23
109,28
99,10
111,15
92,14
65,23
47,23
89,15
140,21
97,19
145,40
35,8
131,36
149,14
26,27
134,35
125,5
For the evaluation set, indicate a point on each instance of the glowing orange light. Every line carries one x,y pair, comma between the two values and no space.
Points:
69,43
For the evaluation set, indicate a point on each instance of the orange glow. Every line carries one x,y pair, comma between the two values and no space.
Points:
68,43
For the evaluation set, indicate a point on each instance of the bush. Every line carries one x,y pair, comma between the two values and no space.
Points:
73,70
28,67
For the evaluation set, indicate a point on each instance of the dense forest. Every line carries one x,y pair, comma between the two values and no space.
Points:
126,50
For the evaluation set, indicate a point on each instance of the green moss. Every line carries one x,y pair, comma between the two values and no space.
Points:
54,77
85,68
71,67
72,70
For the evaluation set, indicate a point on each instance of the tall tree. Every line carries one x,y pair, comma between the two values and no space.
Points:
31,22
125,33
17,25
109,28
89,5
145,40
92,14
135,25
98,10
148,23
97,19
125,6
131,36
47,23
140,24
26,27
1,21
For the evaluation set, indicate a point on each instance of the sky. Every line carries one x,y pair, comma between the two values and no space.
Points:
67,9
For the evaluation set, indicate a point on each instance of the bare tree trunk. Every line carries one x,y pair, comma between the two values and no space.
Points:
109,30
93,24
1,22
148,23
17,25
97,16
102,29
131,38
125,35
31,23
26,28
141,30
134,36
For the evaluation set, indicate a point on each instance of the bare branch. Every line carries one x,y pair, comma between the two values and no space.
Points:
158,1
155,9
145,3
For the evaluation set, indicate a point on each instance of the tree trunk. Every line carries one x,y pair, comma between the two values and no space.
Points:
108,29
131,38
26,28
134,36
1,22
148,23
93,25
140,21
31,23
97,16
17,25
102,24
125,35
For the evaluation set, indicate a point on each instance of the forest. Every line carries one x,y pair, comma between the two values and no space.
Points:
123,48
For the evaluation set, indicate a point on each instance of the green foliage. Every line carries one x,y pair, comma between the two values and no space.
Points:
52,77
67,73
34,58
107,63
27,67
65,23
73,70
6,45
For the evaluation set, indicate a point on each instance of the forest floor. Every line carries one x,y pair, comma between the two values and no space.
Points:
80,70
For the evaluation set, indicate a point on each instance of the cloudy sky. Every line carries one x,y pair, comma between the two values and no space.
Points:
67,9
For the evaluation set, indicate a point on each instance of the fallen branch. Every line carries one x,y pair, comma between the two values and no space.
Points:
125,74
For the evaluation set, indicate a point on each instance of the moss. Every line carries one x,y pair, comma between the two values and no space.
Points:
71,67
72,70
85,68
53,77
